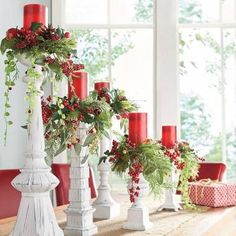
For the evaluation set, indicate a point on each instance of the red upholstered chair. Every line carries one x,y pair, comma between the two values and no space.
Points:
9,197
211,170
61,171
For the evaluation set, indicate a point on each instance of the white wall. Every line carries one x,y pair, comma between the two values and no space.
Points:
12,155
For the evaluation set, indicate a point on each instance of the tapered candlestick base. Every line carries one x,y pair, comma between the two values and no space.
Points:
138,214
171,202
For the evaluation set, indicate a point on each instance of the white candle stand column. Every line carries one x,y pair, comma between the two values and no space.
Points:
106,207
171,202
138,213
36,215
80,212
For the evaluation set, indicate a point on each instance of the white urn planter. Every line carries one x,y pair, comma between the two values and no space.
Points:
138,213
106,207
171,199
35,215
80,212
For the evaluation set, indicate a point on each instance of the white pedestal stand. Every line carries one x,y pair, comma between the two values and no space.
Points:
171,202
106,207
36,215
80,212
138,214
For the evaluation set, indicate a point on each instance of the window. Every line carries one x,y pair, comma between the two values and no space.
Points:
207,30
115,43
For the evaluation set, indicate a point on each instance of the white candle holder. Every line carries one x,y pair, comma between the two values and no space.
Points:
171,202
80,212
106,207
138,213
35,215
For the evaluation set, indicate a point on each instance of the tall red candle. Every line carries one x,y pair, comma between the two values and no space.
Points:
34,13
100,85
169,136
80,84
137,127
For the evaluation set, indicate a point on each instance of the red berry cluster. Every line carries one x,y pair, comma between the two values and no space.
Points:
27,38
68,67
103,93
114,151
174,155
46,112
134,172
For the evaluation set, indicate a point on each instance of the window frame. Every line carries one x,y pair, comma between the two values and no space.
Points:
221,25
165,98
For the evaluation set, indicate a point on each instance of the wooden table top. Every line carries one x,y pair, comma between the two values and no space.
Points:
207,222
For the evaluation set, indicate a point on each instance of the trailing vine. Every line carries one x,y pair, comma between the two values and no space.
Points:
186,160
51,48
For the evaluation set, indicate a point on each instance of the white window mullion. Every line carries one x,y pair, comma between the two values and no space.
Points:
109,39
222,86
155,126
167,111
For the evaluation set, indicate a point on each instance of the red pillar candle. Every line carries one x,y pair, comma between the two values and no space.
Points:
100,85
169,136
137,127
80,84
34,13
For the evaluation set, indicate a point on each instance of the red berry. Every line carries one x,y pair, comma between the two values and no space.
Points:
67,35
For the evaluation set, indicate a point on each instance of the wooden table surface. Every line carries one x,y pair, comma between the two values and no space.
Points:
207,222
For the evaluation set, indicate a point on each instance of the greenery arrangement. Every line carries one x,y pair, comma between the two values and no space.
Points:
61,117
48,47
147,158
186,160
155,162
120,105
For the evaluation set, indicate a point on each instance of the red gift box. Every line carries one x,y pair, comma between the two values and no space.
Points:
212,194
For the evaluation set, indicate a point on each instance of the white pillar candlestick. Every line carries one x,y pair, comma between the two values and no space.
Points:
171,202
80,212
138,213
36,215
106,207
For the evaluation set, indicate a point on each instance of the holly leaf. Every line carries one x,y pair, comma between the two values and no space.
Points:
78,148
89,139
102,159
39,61
35,26
6,44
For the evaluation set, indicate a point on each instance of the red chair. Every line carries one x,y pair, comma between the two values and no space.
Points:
211,170
9,197
61,171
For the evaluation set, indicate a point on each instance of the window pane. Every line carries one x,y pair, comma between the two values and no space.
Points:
201,100
131,11
229,10
93,53
133,71
86,12
230,97
193,11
